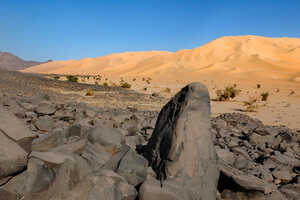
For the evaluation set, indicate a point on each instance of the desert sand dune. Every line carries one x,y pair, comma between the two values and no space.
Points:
274,63
240,56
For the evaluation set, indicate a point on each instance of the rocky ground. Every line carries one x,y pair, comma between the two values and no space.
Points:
58,144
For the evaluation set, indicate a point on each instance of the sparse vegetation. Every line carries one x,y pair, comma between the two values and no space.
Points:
125,85
250,105
258,86
228,93
56,77
134,79
89,92
292,92
105,84
167,90
264,96
145,88
72,78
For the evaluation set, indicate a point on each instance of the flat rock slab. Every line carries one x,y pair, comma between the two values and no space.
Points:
51,157
12,126
45,109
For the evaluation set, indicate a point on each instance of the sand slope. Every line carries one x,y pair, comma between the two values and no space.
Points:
239,56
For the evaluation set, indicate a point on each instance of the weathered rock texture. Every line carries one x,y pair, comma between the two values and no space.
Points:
181,149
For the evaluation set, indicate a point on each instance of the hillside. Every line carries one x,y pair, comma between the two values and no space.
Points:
11,62
239,56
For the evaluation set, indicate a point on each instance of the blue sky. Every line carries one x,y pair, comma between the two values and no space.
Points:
65,29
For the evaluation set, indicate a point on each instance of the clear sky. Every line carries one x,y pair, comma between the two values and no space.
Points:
74,29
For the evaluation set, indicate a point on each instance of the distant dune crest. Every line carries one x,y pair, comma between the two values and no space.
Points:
238,56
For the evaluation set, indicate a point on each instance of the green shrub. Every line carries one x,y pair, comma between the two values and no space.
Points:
125,85
264,96
227,93
72,78
105,84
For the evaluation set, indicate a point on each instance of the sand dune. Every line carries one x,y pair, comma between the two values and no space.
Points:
239,57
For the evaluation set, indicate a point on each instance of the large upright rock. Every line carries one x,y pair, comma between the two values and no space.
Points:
181,151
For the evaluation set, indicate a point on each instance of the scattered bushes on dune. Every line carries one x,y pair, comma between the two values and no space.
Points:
125,85
228,93
264,96
72,78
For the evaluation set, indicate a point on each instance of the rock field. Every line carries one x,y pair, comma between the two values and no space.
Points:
53,148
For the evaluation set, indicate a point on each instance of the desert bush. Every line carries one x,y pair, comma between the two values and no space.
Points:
227,93
134,79
89,92
148,81
125,85
56,77
145,88
105,84
264,96
72,78
258,86
292,92
167,90
250,105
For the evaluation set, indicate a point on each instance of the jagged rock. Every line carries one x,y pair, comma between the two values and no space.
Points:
245,181
13,158
181,146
